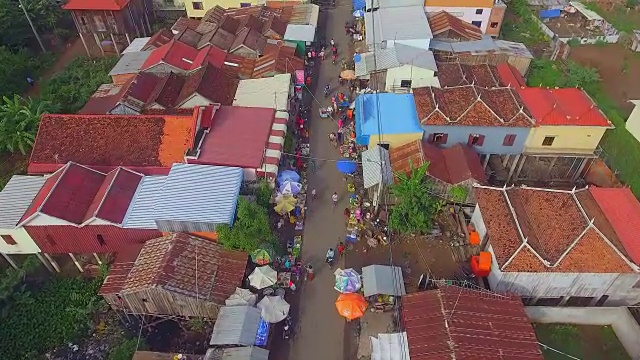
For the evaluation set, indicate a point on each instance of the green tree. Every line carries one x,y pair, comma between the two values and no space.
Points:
15,68
263,193
250,229
415,208
19,120
581,76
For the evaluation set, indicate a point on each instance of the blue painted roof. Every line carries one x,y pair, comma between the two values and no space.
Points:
358,4
397,114
549,14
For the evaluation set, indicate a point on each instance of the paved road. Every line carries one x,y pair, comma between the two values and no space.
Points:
320,330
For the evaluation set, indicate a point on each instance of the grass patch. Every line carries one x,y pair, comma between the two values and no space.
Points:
621,148
586,342
622,18
521,26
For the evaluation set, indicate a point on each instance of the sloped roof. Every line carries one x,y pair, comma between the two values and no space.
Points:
16,197
219,38
272,92
189,37
108,141
471,106
275,24
445,323
277,60
396,112
622,211
130,63
140,212
170,263
238,137
393,57
105,98
166,90
375,167
114,196
212,83
158,39
236,325
397,23
563,232
174,53
456,74
184,23
250,38
454,164
442,21
113,5
404,157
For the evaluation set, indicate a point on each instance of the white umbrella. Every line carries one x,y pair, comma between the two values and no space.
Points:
262,277
274,309
242,297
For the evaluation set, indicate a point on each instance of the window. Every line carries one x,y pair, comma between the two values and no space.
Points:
476,140
384,145
101,240
405,84
548,140
112,23
83,20
509,139
242,5
439,138
197,5
9,239
478,11
476,23
99,23
494,25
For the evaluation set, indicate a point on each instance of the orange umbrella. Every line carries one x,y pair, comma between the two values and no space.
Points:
351,305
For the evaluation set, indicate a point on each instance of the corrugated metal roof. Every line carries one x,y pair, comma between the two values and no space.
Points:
140,213
236,325
270,92
305,14
398,23
300,32
199,194
130,63
371,168
16,197
384,59
382,279
479,47
136,45
415,56
246,353
392,3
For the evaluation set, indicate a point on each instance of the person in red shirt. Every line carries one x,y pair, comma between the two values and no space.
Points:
340,249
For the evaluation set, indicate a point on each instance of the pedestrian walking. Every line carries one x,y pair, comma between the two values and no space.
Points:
322,54
332,42
308,272
312,163
30,81
340,249
314,195
334,198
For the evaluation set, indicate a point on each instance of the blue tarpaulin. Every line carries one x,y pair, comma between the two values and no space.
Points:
549,14
346,166
358,4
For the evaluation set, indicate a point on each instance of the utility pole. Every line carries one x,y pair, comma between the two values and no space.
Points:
33,28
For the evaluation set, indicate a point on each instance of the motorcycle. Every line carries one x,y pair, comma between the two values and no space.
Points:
286,329
329,260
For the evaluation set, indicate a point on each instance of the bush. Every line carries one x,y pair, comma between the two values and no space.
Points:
125,350
16,66
251,228
70,89
57,314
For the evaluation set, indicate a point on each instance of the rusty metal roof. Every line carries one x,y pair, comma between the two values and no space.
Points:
183,264
458,323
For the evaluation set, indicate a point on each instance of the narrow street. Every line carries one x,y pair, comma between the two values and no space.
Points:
319,332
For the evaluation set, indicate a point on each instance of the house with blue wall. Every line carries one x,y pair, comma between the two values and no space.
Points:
493,121
386,119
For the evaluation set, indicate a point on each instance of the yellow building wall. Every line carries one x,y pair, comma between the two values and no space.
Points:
394,140
419,77
568,139
460,3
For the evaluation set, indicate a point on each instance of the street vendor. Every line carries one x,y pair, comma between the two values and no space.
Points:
347,214
350,114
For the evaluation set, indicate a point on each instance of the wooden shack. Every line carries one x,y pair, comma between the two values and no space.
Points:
485,51
178,275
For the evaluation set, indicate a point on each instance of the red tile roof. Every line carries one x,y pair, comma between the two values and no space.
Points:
456,74
443,22
564,106
115,200
105,98
108,141
170,263
113,5
458,323
174,53
237,137
209,55
202,82
622,210
454,164
471,106
239,66
166,91
158,39
250,38
120,268
403,157
277,59
217,37
185,23
556,229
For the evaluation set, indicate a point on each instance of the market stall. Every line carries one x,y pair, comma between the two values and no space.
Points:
382,284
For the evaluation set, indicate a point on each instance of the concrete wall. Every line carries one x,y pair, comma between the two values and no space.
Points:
24,242
468,14
394,139
494,137
417,43
419,77
497,15
568,139
624,325
633,122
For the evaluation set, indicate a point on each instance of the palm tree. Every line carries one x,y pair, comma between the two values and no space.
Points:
19,120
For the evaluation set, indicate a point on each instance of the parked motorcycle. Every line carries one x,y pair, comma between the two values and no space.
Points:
286,328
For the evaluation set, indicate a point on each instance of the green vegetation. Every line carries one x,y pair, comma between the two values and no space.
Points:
50,20
622,18
251,228
415,209
70,89
586,342
458,193
19,120
16,66
126,349
622,149
524,28
263,193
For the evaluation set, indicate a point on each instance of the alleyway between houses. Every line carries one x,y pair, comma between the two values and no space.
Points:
319,331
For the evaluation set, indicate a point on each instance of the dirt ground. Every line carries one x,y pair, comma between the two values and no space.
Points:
586,342
618,67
